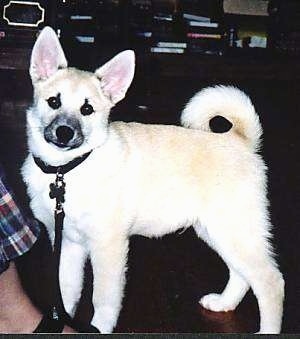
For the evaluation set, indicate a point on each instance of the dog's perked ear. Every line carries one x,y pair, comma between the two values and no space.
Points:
47,56
116,75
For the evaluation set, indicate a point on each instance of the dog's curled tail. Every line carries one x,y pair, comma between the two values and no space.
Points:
228,102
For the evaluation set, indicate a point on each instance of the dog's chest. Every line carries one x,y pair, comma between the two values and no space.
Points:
43,206
85,203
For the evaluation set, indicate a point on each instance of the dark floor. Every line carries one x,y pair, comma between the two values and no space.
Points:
166,277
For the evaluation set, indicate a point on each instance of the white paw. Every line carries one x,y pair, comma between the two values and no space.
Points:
216,303
104,319
70,308
272,330
70,301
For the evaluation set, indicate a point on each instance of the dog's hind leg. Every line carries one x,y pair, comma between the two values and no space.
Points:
245,250
228,300
71,272
233,292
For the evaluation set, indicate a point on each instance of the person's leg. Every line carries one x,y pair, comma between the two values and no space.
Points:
17,313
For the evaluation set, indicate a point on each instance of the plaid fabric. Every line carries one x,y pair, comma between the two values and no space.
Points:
17,233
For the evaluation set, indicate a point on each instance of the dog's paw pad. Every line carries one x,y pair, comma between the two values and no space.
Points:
215,302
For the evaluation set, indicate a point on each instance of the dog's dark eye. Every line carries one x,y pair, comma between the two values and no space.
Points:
86,108
54,102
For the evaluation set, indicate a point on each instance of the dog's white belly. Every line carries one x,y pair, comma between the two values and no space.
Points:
162,217
173,209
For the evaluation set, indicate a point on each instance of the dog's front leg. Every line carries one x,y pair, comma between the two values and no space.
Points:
71,270
108,257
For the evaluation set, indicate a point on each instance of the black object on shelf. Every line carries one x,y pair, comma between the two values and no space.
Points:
140,15
284,36
92,30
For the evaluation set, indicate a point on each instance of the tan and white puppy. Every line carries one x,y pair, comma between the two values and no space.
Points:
148,180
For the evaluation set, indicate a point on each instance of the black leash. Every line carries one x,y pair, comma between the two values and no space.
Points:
57,192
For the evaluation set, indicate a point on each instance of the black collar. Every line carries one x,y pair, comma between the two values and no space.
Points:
63,169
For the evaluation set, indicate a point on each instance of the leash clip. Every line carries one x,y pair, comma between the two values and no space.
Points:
57,191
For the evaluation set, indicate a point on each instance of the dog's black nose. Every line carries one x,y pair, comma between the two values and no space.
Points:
64,134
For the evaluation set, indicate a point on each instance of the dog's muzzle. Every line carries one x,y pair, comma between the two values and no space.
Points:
64,132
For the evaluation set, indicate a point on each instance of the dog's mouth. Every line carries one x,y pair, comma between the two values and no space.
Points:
64,133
